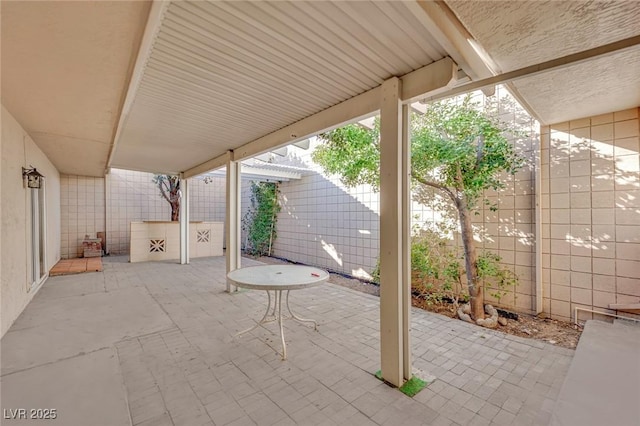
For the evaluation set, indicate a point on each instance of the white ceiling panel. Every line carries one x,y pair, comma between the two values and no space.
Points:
221,74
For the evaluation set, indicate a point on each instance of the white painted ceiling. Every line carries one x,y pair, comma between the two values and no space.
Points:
521,33
224,73
220,74
65,68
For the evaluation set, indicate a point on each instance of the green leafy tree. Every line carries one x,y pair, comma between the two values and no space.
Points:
457,151
169,187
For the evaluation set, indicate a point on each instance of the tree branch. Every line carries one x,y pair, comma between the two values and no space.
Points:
161,184
423,181
174,187
480,150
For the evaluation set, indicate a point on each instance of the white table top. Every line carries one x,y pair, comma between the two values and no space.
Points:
278,277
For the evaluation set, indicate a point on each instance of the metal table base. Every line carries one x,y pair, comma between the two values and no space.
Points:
276,315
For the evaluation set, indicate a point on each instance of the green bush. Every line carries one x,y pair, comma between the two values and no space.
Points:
260,220
437,269
496,278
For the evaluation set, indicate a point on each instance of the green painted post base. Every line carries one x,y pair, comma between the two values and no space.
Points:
411,387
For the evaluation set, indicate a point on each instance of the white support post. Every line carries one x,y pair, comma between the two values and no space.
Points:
184,221
232,230
406,240
393,319
107,212
539,305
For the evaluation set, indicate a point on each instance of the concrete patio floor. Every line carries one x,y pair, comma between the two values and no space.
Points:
153,344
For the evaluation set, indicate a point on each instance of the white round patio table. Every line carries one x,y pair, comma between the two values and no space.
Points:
278,278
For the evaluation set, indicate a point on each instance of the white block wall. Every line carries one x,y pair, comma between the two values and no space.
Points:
82,204
591,214
90,205
134,197
322,223
326,225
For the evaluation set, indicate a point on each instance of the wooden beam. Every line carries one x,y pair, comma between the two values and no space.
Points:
447,29
151,29
207,166
353,109
436,77
449,32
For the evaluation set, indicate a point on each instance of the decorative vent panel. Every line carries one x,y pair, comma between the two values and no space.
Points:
156,246
204,236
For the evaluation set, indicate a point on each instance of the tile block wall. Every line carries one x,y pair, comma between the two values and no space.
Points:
510,231
323,223
82,212
86,208
591,213
133,197
326,225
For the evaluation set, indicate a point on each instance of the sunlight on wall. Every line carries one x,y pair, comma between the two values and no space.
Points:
331,251
591,214
361,273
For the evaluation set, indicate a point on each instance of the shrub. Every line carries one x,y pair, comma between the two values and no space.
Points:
437,270
260,220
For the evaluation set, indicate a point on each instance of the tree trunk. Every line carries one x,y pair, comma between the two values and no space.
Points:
470,259
175,211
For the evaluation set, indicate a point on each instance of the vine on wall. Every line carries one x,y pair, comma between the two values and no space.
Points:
260,220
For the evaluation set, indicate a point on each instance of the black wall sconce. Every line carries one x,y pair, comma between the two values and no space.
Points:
34,178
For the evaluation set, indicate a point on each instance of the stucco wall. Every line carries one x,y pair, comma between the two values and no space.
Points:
18,150
591,213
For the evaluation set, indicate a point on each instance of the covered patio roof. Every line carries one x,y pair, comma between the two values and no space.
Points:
211,77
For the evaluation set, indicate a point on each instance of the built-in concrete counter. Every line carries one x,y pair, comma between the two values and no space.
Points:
158,240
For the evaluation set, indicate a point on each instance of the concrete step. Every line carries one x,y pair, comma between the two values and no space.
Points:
602,386
626,323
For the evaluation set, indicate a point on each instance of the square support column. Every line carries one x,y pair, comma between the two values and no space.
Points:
233,221
406,240
184,222
395,303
